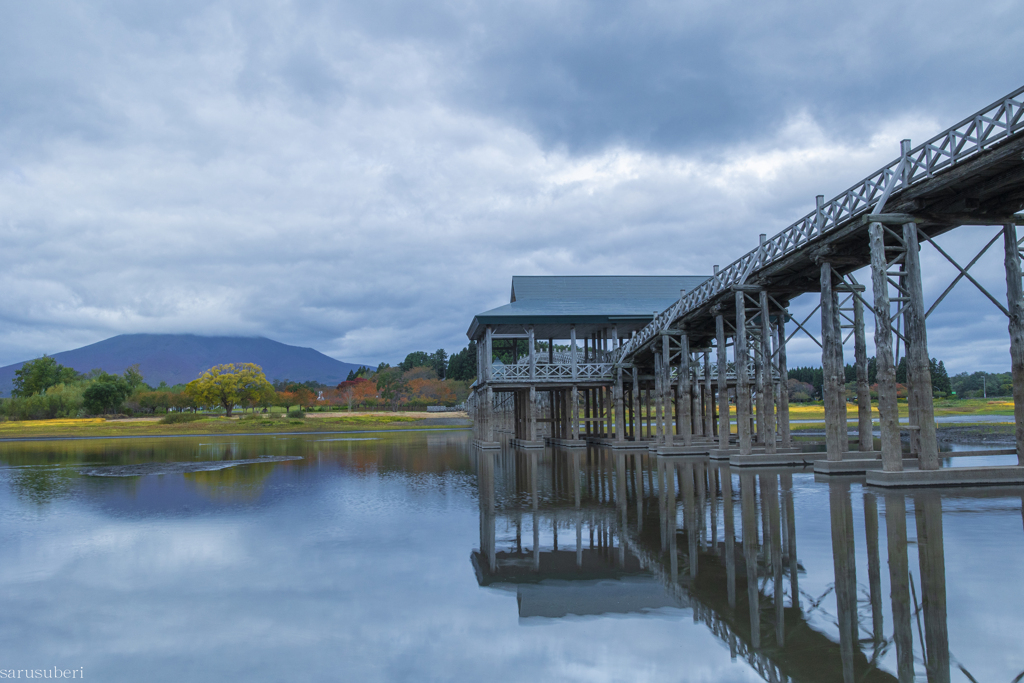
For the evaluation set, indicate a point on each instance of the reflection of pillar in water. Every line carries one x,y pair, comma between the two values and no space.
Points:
748,508
662,504
899,584
713,499
874,568
730,535
534,496
931,556
787,498
701,490
844,561
620,491
670,521
638,479
690,519
775,529
485,486
576,499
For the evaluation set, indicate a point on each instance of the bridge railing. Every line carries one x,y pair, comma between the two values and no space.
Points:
585,372
993,124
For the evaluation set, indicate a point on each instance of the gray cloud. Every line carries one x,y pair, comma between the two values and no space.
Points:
364,178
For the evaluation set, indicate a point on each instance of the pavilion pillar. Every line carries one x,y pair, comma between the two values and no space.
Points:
917,354
742,380
574,412
860,355
888,415
723,384
834,389
488,414
1015,305
532,417
769,382
685,388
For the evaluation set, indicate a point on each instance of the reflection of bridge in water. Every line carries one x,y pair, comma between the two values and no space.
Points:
617,532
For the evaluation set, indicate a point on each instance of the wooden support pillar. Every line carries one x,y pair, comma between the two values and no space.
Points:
666,387
723,385
620,408
659,394
742,380
1015,305
684,418
709,398
834,389
917,354
761,387
637,409
769,394
885,376
860,355
697,405
780,332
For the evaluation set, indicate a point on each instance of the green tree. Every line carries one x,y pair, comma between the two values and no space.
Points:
228,385
104,396
391,385
439,361
462,365
36,376
415,359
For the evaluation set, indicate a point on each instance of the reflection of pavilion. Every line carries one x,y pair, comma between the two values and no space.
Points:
662,532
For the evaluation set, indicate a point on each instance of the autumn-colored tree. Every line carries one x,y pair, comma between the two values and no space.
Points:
358,390
431,389
228,385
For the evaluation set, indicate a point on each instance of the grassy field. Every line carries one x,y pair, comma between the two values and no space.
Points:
316,422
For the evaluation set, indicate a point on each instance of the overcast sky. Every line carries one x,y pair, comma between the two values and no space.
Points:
364,177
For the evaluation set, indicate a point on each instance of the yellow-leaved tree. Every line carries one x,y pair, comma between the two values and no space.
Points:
228,385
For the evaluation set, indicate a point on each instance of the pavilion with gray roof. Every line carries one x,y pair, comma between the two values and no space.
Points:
548,351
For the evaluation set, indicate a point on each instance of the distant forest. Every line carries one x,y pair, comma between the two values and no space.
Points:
806,382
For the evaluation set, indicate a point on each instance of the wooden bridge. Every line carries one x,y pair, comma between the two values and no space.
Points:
666,383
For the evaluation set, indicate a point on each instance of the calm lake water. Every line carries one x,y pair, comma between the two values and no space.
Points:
409,557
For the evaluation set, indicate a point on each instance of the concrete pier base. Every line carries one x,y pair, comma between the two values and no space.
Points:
487,445
716,454
795,459
527,444
848,466
681,450
950,476
566,443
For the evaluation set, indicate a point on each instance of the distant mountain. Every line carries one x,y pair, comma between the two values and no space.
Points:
179,358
